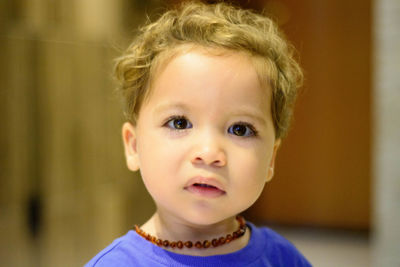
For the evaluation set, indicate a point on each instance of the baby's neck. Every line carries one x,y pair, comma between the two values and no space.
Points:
172,230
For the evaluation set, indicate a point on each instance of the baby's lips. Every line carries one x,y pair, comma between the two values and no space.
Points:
210,181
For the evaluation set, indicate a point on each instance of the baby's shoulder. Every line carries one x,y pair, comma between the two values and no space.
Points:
278,249
275,240
119,253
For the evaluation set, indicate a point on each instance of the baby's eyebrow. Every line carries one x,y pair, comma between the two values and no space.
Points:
251,114
245,112
170,105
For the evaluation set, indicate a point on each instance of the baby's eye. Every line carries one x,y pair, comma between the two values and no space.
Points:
178,123
242,129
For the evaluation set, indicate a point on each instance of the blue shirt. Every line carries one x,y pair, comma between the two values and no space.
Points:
265,248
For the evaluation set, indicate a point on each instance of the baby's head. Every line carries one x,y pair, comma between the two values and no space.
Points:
213,28
209,91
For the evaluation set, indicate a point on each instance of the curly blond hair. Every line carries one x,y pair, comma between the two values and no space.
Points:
218,25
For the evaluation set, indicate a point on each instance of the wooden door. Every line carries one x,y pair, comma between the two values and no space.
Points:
323,173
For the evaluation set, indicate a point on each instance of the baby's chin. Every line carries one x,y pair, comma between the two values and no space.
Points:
198,219
213,221
201,212
210,220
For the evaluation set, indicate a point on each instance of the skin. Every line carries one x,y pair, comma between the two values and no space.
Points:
185,130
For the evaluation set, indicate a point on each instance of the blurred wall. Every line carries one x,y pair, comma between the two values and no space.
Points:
386,95
65,192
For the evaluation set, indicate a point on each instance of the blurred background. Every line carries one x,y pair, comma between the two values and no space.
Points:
65,192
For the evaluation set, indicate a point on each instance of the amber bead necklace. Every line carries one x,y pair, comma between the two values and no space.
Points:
198,244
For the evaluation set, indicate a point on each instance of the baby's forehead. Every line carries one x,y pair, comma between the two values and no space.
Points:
196,77
165,57
161,61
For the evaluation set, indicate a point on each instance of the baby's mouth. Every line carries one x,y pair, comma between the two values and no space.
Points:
205,185
205,190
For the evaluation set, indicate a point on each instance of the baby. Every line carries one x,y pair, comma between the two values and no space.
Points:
209,91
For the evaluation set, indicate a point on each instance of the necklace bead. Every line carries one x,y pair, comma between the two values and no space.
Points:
188,244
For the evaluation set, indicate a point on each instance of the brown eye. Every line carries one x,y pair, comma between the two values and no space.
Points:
242,130
178,123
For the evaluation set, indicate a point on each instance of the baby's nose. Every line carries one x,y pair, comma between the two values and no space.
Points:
209,151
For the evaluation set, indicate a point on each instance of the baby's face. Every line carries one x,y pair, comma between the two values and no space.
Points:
204,139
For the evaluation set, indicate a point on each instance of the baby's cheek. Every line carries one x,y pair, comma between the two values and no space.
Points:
250,173
156,188
256,176
257,165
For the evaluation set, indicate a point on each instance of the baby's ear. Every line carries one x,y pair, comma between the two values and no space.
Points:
129,139
272,162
